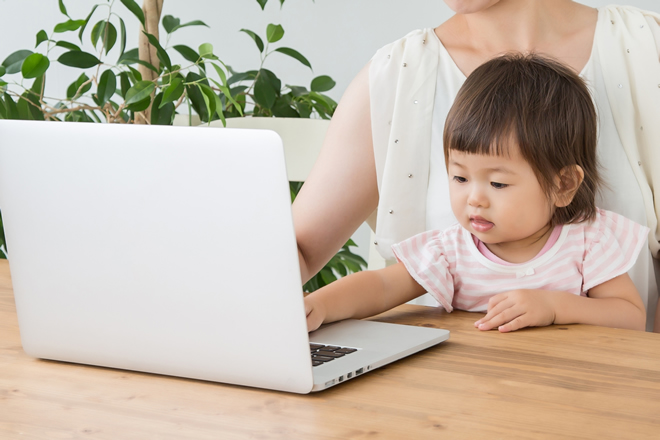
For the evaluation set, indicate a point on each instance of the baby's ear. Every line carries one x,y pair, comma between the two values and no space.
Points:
567,183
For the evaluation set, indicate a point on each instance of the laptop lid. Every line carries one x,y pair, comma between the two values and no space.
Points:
161,249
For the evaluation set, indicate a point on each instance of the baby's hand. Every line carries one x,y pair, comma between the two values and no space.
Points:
516,309
315,313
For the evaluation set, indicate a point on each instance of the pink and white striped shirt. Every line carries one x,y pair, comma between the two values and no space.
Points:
451,268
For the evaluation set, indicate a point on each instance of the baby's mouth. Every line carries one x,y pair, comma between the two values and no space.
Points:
480,224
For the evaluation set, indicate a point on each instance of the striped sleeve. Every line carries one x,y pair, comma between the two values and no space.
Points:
613,245
424,256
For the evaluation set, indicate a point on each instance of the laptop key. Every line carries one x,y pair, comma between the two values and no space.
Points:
316,363
316,346
330,353
346,350
322,358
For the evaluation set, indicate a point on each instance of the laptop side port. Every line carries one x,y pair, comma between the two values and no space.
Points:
359,371
349,375
341,378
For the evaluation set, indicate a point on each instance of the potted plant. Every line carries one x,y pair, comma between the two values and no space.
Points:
144,86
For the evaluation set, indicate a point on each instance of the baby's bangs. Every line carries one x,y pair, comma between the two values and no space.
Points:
478,134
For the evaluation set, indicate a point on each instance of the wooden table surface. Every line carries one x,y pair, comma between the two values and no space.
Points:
559,382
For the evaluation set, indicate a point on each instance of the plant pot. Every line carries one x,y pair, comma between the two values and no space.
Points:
302,138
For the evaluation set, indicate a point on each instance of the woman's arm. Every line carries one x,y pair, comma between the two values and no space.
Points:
360,295
341,191
614,303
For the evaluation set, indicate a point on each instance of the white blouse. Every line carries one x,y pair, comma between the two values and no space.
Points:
621,194
413,81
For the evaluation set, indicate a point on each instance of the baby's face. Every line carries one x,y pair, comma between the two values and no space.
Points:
497,198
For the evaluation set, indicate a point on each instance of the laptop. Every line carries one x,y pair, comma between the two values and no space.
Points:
171,250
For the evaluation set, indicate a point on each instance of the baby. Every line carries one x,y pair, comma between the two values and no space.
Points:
530,247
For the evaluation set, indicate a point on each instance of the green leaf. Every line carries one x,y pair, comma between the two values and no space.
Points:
63,8
37,88
219,111
107,87
322,83
169,23
294,54
10,105
256,38
28,111
74,90
130,55
209,100
14,61
172,92
161,113
187,53
283,109
205,50
80,59
274,33
262,3
221,74
196,96
162,55
3,109
35,65
67,45
82,28
125,83
281,3
140,106
122,42
328,276
107,32
190,23
298,91
135,75
139,92
266,88
2,70
69,25
41,37
135,9
242,77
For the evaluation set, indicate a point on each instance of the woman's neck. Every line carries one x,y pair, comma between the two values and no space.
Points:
560,28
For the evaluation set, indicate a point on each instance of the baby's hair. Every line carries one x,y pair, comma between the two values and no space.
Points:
541,106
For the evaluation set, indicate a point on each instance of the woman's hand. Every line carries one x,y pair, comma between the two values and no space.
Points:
315,311
517,309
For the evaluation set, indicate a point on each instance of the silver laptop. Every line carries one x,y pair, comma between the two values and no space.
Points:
170,250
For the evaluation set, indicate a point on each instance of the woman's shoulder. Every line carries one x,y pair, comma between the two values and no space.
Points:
412,42
628,16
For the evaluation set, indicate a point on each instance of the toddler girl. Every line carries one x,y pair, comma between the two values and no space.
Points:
530,248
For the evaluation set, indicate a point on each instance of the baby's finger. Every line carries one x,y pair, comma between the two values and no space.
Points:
501,318
495,308
516,324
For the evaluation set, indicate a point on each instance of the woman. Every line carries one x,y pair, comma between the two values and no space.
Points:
383,160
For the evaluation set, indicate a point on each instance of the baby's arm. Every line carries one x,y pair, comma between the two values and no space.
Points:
360,295
614,303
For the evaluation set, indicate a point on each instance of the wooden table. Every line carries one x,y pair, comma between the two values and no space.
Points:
560,382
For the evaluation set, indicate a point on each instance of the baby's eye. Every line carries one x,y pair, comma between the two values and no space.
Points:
460,179
497,185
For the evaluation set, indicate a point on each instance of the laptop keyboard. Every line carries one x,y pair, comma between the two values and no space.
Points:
326,353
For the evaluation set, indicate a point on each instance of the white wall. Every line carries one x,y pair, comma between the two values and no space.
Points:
337,36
